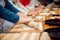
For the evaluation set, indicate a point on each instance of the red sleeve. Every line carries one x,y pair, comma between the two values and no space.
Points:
24,2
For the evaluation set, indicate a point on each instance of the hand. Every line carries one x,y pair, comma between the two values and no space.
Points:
39,9
25,19
30,13
21,14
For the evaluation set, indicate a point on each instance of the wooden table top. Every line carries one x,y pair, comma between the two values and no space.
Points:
20,36
18,29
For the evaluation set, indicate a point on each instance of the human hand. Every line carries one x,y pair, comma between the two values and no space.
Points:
39,9
31,12
25,19
21,14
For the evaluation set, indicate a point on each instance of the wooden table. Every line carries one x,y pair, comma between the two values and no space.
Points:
20,36
16,28
17,33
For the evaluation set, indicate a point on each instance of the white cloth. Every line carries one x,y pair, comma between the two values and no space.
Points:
20,7
32,4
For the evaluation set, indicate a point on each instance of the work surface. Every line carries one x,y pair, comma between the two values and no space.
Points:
20,36
20,32
23,28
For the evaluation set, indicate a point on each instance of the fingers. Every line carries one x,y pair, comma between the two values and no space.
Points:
31,19
30,13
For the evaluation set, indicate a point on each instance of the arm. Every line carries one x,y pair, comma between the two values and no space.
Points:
21,8
11,7
8,15
12,17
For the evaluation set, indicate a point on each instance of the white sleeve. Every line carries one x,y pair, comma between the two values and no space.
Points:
20,7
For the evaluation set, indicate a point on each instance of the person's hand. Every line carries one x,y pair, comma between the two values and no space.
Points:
24,19
39,9
31,12
21,14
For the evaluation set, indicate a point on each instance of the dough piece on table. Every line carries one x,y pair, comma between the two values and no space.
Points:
40,18
36,25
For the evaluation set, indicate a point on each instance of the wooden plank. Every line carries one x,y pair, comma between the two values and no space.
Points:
6,37
23,37
1,35
27,38
14,36
37,36
19,36
33,35
10,36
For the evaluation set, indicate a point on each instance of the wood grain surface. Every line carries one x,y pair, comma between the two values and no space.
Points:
20,36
